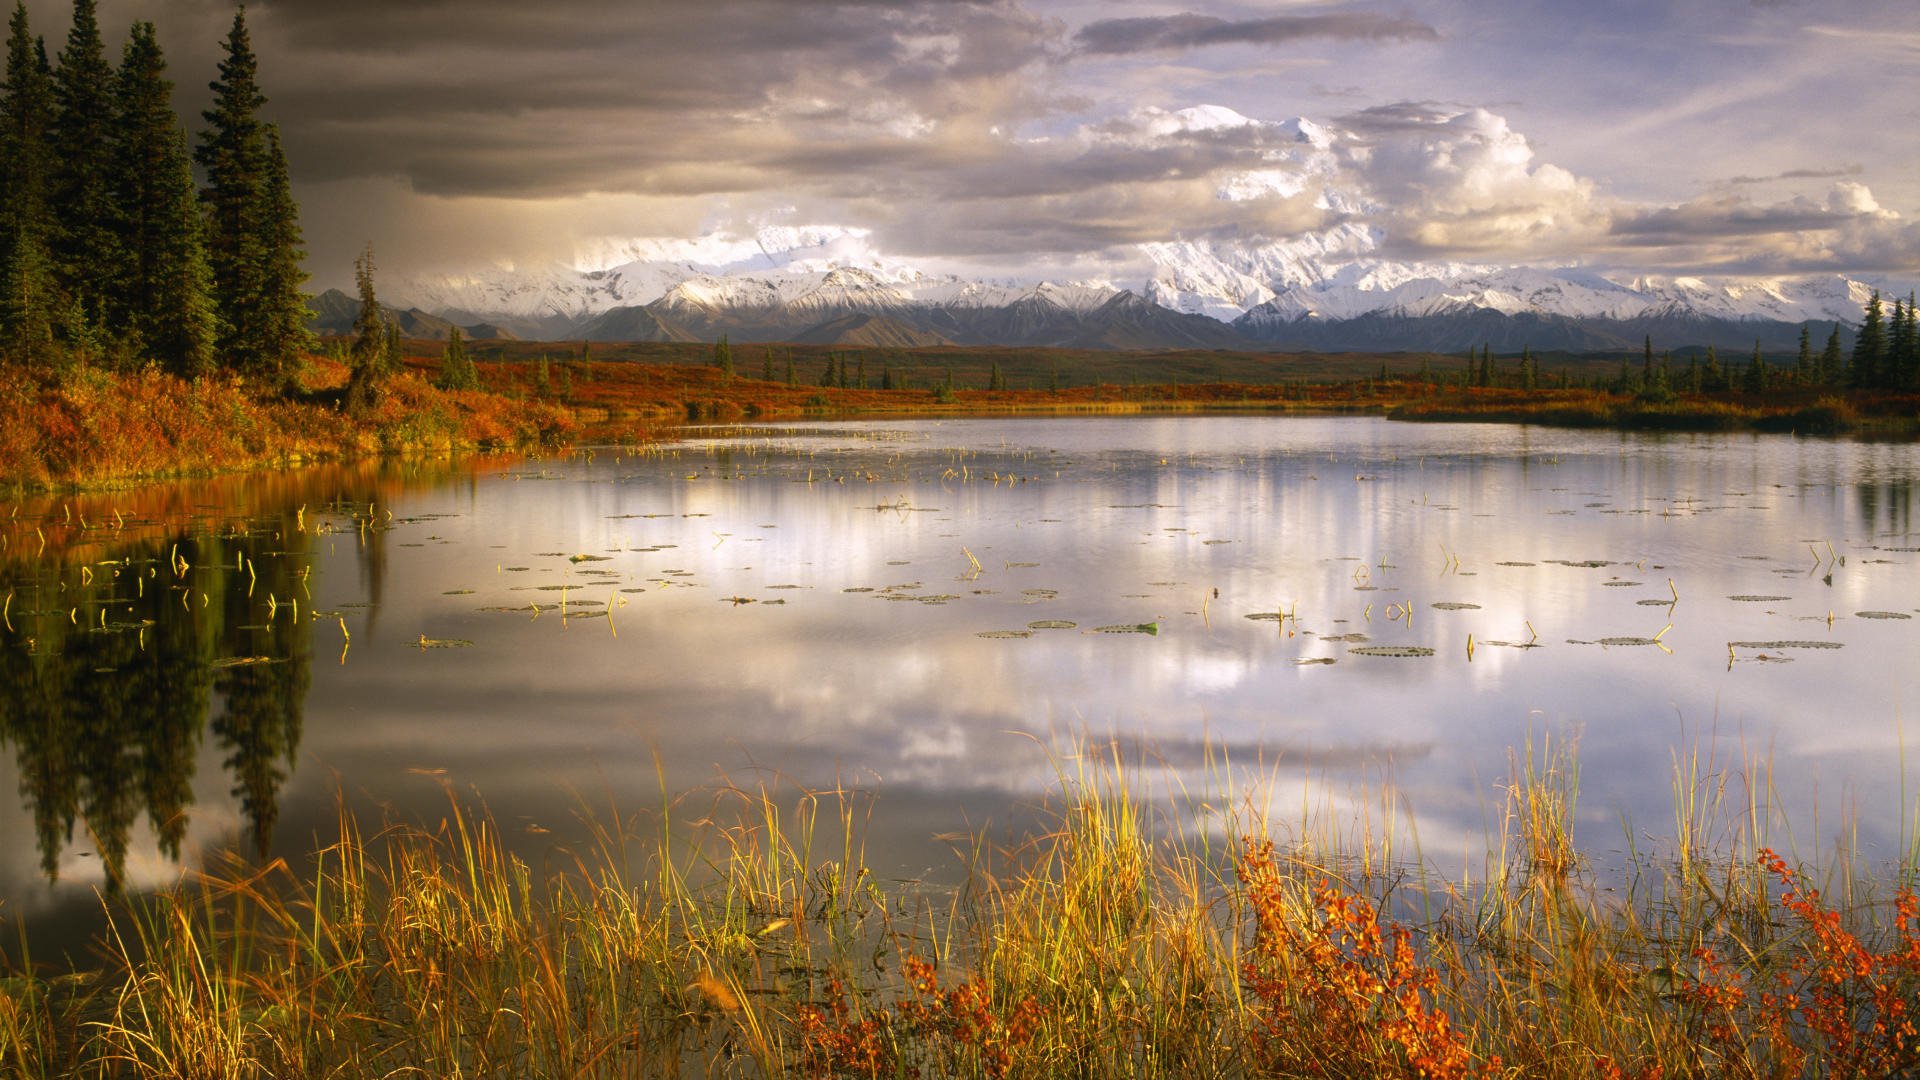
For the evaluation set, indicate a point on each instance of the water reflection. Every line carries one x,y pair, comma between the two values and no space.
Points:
138,626
807,607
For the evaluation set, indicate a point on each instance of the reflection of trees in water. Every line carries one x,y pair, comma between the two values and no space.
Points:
1886,507
112,672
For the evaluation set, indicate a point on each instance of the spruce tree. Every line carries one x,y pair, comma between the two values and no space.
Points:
159,300
1754,379
233,151
789,356
28,296
366,380
1803,369
1830,358
1901,347
766,367
1712,378
723,357
1869,347
286,316
1646,364
456,367
83,240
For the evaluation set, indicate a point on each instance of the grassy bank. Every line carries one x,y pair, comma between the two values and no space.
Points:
1805,412
739,933
91,428
88,428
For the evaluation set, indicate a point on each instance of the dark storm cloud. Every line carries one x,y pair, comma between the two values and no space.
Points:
1168,33
491,97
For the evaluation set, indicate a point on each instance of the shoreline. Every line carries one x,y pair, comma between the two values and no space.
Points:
90,430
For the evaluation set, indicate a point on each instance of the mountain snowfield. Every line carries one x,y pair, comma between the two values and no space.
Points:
781,280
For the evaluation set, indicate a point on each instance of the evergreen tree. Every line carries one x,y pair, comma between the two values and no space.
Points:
159,299
1803,369
766,366
542,377
1712,378
830,376
28,297
789,355
1869,347
367,376
391,358
1529,369
1754,380
240,229
287,337
1486,367
860,371
995,380
1694,382
886,376
457,371
1053,378
1830,360
84,241
1902,350
1646,364
723,358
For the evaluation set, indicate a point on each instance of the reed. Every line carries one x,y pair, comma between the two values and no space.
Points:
736,931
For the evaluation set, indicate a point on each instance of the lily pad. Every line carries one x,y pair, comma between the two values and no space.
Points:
1391,650
1581,564
1620,584
1309,661
426,642
1626,641
1881,615
1268,616
1784,644
1762,598
242,661
1051,624
1134,628
1455,605
1004,634
1655,603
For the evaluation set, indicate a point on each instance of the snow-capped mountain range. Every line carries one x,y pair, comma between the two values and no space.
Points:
1328,288
1323,291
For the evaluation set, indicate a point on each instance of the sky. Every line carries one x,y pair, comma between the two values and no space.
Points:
1015,137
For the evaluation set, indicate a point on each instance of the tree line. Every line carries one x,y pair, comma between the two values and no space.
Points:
110,255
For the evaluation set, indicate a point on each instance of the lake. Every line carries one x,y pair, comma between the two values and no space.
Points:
939,613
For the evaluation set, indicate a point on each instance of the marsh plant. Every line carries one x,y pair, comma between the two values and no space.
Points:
738,932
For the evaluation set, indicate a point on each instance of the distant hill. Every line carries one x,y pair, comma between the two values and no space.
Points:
334,312
869,331
632,324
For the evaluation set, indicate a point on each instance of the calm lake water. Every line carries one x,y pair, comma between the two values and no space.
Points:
922,609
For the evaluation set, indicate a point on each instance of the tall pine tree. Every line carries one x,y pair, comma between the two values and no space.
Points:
233,151
160,299
367,361
1830,358
1903,351
287,315
84,240
27,293
1869,347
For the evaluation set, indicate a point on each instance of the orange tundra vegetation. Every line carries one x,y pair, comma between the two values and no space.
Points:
87,427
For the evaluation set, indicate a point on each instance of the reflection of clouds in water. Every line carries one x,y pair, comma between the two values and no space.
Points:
906,688
901,695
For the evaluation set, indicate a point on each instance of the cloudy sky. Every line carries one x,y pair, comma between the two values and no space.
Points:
1725,136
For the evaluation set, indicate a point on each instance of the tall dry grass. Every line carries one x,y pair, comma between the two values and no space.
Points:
740,934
